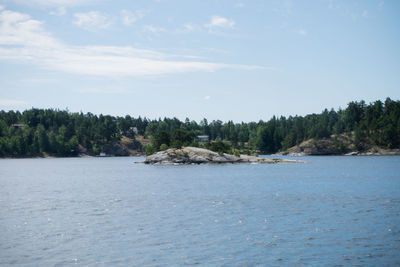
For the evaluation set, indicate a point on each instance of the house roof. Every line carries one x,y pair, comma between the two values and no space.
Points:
18,125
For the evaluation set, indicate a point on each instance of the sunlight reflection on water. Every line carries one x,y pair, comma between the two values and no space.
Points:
90,211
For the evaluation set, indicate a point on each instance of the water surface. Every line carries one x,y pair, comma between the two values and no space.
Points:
110,211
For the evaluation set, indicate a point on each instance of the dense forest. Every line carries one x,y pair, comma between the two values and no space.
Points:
38,132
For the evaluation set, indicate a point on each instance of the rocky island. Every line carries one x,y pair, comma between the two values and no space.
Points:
195,155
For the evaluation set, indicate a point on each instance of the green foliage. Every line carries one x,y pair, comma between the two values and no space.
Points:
149,149
160,138
339,146
218,146
55,132
61,133
235,152
163,147
96,149
182,137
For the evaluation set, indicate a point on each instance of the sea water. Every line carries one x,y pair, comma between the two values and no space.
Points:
110,211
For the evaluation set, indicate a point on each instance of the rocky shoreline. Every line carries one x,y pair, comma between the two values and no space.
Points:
195,155
392,152
342,145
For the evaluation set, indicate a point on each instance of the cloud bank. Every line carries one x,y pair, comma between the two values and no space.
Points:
92,21
129,17
54,3
24,40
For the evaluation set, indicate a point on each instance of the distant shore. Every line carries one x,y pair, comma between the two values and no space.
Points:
392,152
381,152
339,145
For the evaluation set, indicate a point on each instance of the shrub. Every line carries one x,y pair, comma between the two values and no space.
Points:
218,146
149,150
163,147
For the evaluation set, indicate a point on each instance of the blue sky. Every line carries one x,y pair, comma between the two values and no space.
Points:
228,60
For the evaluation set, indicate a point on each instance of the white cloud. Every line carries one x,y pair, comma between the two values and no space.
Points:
92,21
284,8
218,51
54,3
129,17
23,39
207,97
153,29
31,81
220,22
187,28
20,30
1,7
91,90
11,102
61,11
301,32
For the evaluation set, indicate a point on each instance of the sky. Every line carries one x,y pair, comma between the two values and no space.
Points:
216,59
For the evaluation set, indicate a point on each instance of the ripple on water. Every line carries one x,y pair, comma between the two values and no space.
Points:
333,211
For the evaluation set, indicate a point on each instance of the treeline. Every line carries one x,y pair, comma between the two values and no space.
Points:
36,132
61,133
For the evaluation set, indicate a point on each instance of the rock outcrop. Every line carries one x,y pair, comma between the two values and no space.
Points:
125,147
325,146
337,145
195,155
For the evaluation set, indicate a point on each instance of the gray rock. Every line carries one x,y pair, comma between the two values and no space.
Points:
195,155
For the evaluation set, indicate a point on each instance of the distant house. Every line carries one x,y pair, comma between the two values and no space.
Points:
18,125
203,138
134,130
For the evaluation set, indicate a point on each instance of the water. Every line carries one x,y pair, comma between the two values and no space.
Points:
109,211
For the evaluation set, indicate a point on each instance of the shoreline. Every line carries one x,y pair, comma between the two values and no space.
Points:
83,156
197,156
394,152
300,154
